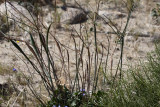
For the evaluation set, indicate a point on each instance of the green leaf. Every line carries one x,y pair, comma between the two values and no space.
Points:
48,35
16,45
34,45
73,103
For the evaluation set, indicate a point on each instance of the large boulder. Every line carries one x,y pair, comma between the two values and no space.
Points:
11,13
62,17
74,16
16,12
39,2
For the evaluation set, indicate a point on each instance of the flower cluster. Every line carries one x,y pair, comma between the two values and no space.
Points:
83,91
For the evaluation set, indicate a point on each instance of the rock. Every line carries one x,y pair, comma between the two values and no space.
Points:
39,2
74,16
15,12
120,16
5,88
155,38
3,79
155,0
29,6
156,21
110,15
104,14
11,13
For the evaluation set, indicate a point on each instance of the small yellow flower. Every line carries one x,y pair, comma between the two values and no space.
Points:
17,41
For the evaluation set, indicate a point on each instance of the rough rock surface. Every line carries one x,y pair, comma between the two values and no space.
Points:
15,12
73,16
14,16
39,2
